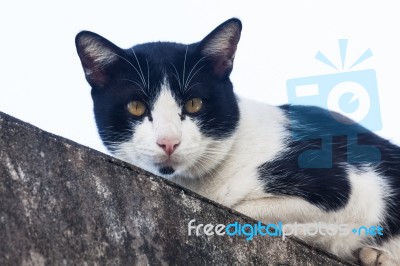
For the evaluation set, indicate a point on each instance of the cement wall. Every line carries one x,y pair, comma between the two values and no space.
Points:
64,204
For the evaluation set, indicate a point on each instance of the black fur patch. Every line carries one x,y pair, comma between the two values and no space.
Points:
139,72
329,187
166,170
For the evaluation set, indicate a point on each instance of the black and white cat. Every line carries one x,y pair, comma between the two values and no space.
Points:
170,109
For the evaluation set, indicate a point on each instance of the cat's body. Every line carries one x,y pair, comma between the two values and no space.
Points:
170,109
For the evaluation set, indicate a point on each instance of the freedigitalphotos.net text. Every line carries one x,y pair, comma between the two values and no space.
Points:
280,230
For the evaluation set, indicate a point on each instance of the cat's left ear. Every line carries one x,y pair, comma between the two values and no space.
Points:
220,46
98,56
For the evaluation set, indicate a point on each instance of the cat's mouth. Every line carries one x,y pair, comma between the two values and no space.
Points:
167,167
166,170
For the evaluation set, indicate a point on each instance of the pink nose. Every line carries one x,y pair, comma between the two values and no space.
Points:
168,145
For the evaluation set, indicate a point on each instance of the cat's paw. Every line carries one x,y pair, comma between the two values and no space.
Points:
373,257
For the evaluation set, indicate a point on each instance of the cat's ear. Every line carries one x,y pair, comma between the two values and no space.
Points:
220,46
97,56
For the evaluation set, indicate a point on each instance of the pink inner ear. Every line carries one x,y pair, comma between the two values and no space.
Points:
223,66
220,45
95,67
96,54
94,72
97,77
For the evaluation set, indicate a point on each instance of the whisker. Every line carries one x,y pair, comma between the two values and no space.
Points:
193,77
193,68
148,75
194,85
140,86
137,71
178,78
184,66
142,76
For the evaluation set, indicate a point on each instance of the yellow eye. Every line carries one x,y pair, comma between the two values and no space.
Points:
193,105
136,108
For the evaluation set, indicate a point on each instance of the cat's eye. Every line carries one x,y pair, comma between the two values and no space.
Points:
193,105
136,108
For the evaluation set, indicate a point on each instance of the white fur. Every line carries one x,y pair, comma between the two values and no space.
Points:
257,140
392,248
365,208
166,120
196,154
226,171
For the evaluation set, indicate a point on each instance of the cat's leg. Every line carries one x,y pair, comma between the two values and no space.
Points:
371,257
275,209
290,210
387,254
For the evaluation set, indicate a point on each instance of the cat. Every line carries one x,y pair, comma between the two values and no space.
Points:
170,109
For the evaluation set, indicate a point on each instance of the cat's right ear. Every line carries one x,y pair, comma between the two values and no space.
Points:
97,56
220,46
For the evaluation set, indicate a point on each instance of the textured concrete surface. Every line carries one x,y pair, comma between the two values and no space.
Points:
64,204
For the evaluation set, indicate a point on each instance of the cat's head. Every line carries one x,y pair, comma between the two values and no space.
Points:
168,108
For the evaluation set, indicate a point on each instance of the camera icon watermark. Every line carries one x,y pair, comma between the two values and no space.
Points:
354,94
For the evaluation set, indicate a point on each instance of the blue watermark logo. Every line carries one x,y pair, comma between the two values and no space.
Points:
249,231
351,93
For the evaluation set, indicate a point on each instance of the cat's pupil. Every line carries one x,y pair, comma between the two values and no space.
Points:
136,108
194,105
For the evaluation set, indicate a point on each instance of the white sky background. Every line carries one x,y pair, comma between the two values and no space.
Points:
42,82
